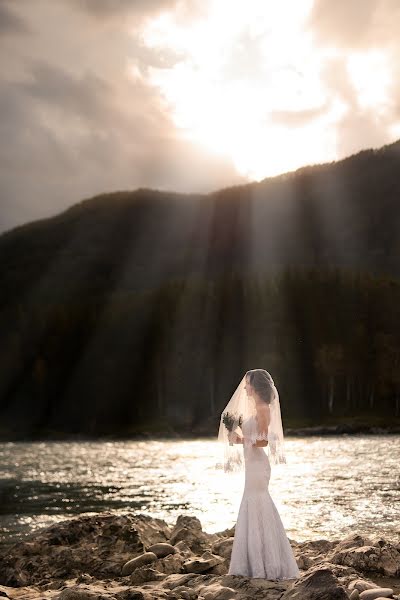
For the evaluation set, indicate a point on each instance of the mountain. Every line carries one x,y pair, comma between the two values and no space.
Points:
138,310
344,214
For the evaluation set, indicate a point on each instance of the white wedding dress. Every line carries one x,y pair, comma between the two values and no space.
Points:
260,546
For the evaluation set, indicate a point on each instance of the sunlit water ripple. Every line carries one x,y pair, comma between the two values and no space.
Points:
330,486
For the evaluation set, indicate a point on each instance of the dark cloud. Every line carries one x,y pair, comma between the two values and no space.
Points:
10,22
68,138
105,9
85,95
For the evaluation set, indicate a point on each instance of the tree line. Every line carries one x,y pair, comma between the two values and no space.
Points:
168,359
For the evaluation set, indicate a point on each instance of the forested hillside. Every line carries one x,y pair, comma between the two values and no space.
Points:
140,310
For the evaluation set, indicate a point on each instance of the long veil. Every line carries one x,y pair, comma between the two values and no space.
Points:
240,408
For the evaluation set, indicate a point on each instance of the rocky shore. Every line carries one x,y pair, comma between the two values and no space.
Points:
137,557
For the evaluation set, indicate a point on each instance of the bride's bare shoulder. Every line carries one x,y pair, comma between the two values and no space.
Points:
263,413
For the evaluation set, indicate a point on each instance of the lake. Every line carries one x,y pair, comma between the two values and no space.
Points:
330,487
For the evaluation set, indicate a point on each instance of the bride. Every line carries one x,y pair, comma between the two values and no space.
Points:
250,422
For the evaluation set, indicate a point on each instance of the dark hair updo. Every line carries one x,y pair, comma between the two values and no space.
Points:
262,383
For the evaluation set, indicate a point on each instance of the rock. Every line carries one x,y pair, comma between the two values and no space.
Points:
376,593
183,549
382,559
353,541
229,532
217,592
312,552
130,594
175,580
85,578
192,523
195,541
58,584
81,559
83,593
171,563
144,574
221,569
186,592
339,571
96,544
202,564
161,549
304,562
315,547
138,561
223,547
361,585
188,529
320,584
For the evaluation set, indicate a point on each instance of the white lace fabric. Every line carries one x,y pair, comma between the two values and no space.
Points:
238,410
260,547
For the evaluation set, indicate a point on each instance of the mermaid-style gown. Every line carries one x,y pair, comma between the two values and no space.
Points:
260,546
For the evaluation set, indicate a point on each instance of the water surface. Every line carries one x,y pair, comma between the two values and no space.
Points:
330,487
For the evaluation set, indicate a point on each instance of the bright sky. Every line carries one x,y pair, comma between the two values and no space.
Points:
190,95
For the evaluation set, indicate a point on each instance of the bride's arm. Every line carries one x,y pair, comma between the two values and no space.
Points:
263,417
239,440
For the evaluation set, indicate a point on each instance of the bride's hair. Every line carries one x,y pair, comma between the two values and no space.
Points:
262,383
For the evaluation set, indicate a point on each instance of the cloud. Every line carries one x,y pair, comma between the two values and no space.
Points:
297,118
80,115
355,25
108,9
68,137
359,33
86,95
11,23
343,23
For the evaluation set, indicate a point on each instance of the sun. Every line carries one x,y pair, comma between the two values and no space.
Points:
246,84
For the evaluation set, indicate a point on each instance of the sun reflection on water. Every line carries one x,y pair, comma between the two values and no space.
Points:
329,487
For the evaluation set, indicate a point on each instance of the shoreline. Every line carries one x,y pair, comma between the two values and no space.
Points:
308,431
125,556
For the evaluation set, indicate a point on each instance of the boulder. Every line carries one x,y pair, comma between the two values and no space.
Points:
183,549
78,592
188,529
361,585
223,547
144,574
353,541
161,549
138,561
216,591
320,584
203,563
174,580
376,593
381,559
171,563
